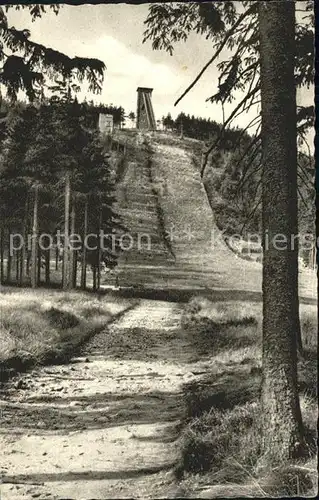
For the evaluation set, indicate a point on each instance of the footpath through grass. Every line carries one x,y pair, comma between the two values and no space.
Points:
220,442
42,326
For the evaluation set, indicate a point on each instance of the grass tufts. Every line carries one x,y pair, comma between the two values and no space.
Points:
220,448
38,326
218,435
213,327
61,319
91,312
291,481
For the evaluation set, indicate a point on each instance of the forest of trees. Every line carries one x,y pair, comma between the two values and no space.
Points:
55,176
92,112
235,193
55,179
203,129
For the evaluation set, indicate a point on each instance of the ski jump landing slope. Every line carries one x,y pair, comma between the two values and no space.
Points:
162,192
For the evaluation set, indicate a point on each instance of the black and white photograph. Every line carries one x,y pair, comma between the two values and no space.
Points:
158,250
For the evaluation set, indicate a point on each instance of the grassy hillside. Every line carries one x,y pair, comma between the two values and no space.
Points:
37,326
233,186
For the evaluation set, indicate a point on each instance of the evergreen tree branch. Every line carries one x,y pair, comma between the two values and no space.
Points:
251,214
227,36
307,181
302,197
245,177
252,123
229,119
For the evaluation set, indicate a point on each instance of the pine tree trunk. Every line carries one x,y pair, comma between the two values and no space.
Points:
182,132
94,277
2,255
47,255
22,262
28,264
66,260
34,247
18,266
98,278
282,430
62,267
39,266
72,252
47,267
57,255
23,270
9,259
75,269
85,229
99,252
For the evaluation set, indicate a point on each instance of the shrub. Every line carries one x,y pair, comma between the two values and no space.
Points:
215,326
90,312
290,481
309,327
219,438
61,319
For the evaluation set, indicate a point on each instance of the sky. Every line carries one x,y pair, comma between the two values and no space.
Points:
113,33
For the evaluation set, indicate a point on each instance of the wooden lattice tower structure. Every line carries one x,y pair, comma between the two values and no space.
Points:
145,118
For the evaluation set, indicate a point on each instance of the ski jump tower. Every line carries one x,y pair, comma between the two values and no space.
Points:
145,118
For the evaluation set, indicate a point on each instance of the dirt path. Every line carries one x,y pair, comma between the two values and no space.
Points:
103,426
